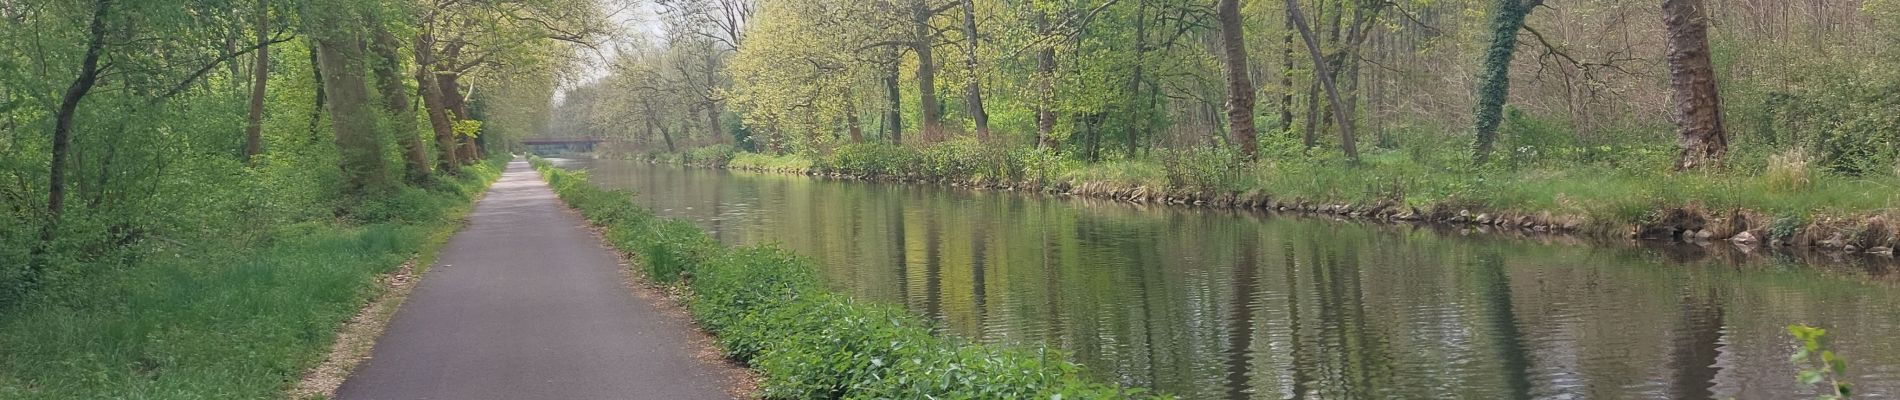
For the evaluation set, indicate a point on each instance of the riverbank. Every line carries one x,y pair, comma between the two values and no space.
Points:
767,308
243,317
1785,206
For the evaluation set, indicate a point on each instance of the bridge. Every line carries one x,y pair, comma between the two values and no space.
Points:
549,145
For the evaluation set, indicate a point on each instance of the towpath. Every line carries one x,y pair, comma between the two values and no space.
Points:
525,303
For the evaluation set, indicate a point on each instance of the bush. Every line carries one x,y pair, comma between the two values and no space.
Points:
867,159
768,309
711,156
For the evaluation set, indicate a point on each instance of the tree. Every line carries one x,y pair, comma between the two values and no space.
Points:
1343,117
1240,96
68,105
1494,80
923,38
1697,110
389,80
972,90
337,27
260,75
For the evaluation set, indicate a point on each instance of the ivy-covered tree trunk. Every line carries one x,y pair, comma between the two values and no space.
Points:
1240,97
1494,80
1692,89
340,52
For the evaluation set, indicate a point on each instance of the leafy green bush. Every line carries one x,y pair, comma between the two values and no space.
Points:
711,156
867,159
768,309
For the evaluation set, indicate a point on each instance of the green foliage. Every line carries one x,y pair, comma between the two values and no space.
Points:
767,308
1819,365
711,156
1205,169
789,163
231,318
867,159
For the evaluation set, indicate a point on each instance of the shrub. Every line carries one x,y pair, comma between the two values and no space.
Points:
867,159
711,156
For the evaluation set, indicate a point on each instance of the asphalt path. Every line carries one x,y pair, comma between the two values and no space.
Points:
525,303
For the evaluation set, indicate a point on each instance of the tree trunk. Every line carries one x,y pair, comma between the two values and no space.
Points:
451,84
260,71
1286,81
402,120
972,89
932,113
63,128
1698,105
1240,97
1494,81
894,107
1347,141
1045,88
653,120
712,105
851,117
321,100
435,106
1130,132
351,116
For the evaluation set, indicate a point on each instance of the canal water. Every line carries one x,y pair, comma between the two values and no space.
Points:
1213,304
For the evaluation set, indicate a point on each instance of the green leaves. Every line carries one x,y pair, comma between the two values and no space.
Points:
1819,365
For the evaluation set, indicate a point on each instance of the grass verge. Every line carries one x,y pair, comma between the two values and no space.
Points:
221,320
767,309
1786,203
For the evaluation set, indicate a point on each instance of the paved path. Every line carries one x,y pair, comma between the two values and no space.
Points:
524,303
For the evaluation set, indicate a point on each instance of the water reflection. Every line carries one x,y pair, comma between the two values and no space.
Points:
1214,304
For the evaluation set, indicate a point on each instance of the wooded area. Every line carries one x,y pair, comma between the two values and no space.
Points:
128,127
1637,84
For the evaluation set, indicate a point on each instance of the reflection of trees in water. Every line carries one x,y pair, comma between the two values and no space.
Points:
1240,329
1301,354
1694,345
1145,297
1494,291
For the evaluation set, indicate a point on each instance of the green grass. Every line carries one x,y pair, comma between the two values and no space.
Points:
237,319
1604,193
767,308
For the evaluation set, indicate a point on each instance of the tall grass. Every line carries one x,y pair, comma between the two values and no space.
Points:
219,319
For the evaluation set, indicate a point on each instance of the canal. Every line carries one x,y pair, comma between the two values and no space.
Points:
1216,304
